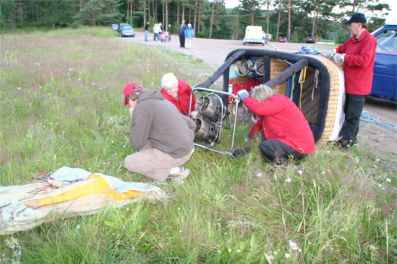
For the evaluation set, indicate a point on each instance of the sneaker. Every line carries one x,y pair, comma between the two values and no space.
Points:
346,143
180,176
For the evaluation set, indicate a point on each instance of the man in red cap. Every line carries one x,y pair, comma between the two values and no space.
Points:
161,135
358,56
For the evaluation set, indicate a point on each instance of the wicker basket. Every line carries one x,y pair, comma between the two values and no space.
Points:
278,66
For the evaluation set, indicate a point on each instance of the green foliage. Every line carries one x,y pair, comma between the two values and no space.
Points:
318,17
100,12
61,101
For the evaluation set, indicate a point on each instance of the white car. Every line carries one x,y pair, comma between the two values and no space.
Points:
255,35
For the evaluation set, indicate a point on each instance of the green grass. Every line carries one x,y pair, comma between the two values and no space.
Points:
61,104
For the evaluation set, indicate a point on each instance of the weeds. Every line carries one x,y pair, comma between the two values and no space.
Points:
61,104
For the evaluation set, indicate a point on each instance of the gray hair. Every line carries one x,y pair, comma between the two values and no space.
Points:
261,92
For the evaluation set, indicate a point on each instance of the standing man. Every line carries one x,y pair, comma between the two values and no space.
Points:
357,55
162,136
182,34
169,29
156,32
146,29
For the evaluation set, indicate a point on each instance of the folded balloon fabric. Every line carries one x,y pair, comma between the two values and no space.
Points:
67,192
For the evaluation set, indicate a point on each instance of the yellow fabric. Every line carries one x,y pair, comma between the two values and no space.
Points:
95,185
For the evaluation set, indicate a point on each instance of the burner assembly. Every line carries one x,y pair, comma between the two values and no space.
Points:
210,114
211,118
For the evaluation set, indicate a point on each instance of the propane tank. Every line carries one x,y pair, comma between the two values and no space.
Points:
230,89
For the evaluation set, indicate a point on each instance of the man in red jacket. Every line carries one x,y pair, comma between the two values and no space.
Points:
358,56
177,92
285,128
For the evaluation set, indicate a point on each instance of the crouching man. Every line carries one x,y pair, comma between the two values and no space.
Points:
162,136
286,131
178,92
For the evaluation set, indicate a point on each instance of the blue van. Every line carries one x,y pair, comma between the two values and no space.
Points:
384,85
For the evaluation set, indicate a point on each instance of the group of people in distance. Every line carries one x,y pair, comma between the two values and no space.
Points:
162,131
186,33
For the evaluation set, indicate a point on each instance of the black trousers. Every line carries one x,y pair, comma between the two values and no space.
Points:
354,105
274,151
181,40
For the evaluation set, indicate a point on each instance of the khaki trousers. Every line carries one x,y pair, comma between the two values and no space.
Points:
188,43
153,163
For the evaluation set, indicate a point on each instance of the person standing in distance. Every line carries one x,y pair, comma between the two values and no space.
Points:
146,30
189,35
182,34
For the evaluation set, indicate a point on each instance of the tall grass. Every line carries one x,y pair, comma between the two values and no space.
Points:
61,104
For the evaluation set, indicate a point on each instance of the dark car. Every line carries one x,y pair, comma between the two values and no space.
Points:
127,31
121,25
384,85
282,39
310,39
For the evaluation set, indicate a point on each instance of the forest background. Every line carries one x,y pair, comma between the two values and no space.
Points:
294,19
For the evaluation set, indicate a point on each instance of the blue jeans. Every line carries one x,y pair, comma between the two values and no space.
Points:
145,36
155,36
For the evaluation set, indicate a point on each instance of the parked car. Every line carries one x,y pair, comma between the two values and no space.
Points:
282,39
310,39
384,85
121,25
114,26
254,35
127,31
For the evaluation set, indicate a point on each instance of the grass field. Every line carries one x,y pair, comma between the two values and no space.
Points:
61,104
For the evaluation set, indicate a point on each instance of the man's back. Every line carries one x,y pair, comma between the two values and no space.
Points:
158,121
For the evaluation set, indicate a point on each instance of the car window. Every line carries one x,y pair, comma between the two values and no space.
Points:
387,42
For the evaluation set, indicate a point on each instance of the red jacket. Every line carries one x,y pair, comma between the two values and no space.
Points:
281,119
183,100
359,63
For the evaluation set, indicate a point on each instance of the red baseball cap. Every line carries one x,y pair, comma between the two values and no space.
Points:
129,89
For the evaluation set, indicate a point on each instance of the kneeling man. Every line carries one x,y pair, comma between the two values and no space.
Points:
286,131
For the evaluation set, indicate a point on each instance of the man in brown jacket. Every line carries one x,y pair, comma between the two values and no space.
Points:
162,136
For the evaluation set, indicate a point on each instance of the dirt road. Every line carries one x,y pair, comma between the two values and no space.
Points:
214,52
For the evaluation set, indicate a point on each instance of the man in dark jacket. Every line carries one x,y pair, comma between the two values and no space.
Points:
182,34
161,135
358,56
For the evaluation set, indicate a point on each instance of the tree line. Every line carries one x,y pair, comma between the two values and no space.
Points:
294,19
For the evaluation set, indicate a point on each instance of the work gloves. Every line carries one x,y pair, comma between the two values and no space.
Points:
328,54
339,58
242,94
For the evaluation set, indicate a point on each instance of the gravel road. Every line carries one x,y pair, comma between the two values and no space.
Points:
214,52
